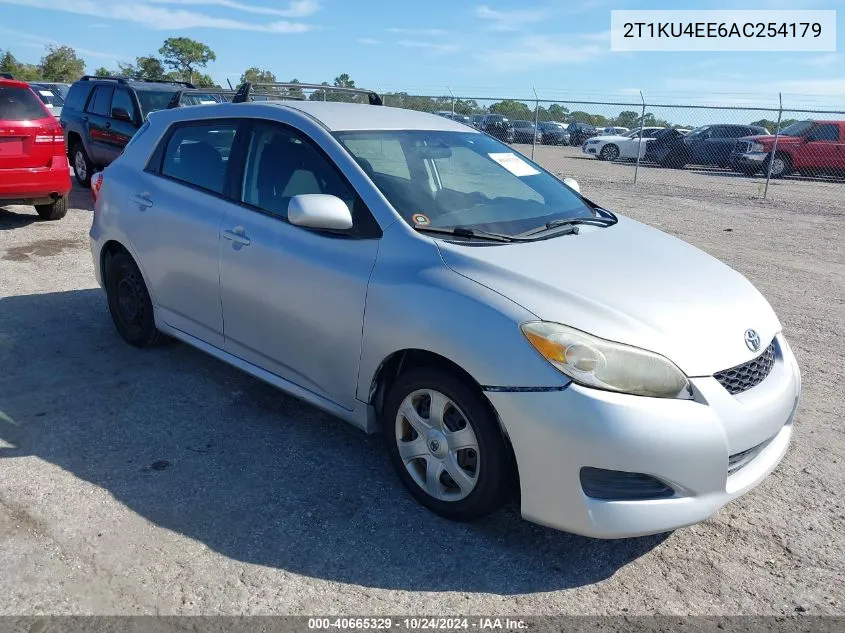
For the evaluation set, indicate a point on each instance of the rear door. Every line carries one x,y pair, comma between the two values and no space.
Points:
97,112
23,120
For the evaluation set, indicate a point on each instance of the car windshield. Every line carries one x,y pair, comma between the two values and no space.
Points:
153,100
444,179
20,104
799,128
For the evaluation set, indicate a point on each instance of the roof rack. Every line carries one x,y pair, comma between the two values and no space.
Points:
246,91
126,80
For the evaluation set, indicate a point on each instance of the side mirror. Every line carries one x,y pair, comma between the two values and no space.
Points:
572,184
319,211
121,115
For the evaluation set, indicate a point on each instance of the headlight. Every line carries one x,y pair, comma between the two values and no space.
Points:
756,147
595,362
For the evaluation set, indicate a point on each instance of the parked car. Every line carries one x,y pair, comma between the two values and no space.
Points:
705,145
618,409
60,89
476,120
625,146
808,147
580,132
553,133
498,127
49,97
199,96
461,118
525,132
614,131
101,115
33,160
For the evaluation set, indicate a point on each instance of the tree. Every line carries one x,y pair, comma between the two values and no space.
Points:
185,55
627,118
258,76
102,71
586,117
344,81
201,80
145,67
61,63
512,109
296,93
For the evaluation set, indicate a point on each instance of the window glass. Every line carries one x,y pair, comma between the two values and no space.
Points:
19,104
153,100
77,95
199,154
101,101
381,156
122,99
735,132
280,164
826,133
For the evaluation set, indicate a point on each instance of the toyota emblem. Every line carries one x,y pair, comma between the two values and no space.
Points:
752,340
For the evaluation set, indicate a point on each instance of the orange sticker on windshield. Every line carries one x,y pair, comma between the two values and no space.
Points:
419,218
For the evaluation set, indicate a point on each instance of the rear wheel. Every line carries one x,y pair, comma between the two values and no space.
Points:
129,302
445,444
609,152
83,169
56,210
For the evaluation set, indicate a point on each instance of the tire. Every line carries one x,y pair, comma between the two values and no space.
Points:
483,468
609,152
56,210
781,166
83,168
129,302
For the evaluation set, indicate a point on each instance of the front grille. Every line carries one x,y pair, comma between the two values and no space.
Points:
741,147
740,460
744,377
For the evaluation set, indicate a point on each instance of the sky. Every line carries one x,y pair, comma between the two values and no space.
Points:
488,48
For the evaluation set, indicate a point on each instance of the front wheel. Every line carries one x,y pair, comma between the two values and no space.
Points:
445,444
56,210
609,152
781,166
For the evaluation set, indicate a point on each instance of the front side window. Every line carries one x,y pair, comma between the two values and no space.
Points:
100,102
199,154
122,99
280,164
799,128
465,179
825,133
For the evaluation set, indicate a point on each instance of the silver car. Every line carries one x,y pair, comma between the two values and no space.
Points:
412,275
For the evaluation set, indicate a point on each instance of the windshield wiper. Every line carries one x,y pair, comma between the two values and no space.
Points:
463,231
571,222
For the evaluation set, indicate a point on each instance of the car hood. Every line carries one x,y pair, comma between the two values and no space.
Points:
632,284
770,138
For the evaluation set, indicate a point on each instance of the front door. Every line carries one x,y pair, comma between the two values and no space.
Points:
822,148
293,298
119,131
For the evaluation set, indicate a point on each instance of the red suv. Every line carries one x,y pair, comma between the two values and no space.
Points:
33,160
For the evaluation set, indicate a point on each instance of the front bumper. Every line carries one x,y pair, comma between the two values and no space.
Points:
591,149
35,184
684,443
748,161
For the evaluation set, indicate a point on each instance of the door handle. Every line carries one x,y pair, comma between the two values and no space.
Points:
143,201
108,124
237,236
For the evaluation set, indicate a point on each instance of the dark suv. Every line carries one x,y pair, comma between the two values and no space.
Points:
101,114
705,145
498,127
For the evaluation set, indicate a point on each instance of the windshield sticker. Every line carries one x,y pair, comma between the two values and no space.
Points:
207,101
46,93
420,219
514,164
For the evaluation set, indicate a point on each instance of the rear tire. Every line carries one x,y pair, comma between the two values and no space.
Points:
83,168
129,302
482,469
56,210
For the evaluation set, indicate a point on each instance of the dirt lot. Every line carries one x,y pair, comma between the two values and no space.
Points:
163,481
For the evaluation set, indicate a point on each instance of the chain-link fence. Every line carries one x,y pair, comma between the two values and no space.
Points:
744,151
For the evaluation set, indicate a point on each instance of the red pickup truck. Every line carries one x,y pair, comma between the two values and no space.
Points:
806,147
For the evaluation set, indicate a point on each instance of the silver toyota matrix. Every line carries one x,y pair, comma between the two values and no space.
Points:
415,276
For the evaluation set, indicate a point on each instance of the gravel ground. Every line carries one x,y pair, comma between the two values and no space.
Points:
163,481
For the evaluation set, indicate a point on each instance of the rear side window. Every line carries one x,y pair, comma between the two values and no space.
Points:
20,104
199,154
100,103
77,95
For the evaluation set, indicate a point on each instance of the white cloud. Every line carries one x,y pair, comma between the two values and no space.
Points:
295,9
433,32
434,47
368,41
541,50
159,18
509,20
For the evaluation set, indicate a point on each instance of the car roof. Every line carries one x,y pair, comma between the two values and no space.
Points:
335,116
13,83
